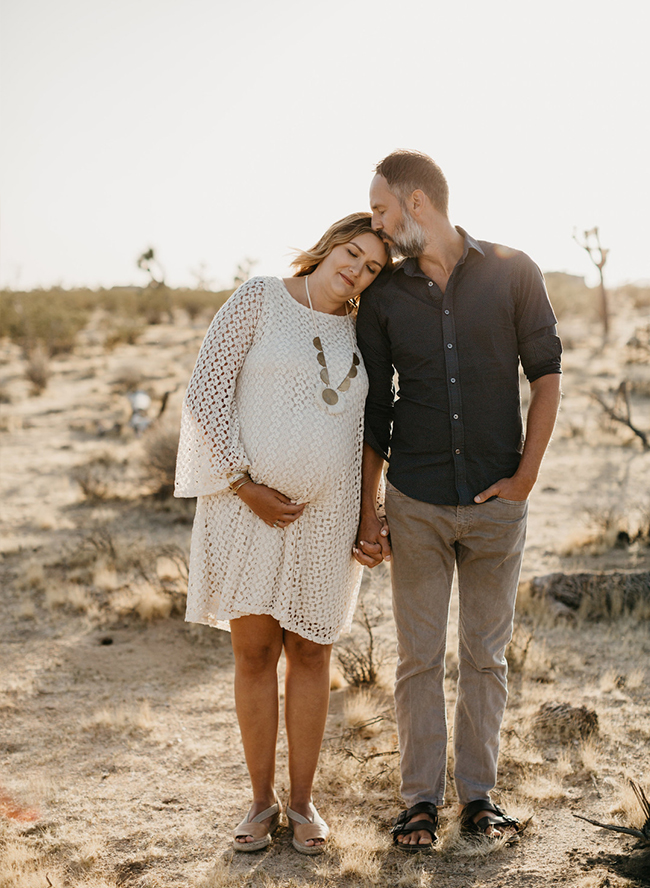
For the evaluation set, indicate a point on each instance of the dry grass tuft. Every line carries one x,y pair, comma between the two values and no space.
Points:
361,713
590,755
69,596
151,603
32,577
121,719
414,876
359,844
636,679
626,807
542,789
99,476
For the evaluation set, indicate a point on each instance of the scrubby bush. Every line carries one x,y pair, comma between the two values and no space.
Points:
161,446
37,369
51,317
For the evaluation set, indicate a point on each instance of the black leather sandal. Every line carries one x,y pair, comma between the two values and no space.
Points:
501,821
401,827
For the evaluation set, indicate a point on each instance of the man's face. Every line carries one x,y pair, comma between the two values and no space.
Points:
386,209
395,224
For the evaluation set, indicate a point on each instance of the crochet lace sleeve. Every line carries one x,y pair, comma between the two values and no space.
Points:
210,446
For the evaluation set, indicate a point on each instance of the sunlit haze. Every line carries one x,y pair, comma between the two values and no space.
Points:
216,131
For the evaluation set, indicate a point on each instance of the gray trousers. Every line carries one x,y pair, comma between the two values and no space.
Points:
485,543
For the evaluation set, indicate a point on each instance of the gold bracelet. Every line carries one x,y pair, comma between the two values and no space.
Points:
237,487
234,477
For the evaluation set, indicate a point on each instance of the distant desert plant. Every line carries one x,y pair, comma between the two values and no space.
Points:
50,317
99,476
125,333
127,378
37,369
570,296
161,447
638,294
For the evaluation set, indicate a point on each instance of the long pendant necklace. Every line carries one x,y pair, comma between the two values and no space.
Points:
329,398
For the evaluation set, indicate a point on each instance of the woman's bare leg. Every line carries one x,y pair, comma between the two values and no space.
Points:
257,645
307,693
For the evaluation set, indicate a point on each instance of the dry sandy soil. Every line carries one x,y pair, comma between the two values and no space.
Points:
119,748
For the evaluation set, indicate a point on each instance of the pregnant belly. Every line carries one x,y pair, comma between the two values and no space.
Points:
305,466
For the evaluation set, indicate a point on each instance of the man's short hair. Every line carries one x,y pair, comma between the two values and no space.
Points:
409,171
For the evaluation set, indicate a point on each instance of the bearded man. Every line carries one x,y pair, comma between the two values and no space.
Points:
442,334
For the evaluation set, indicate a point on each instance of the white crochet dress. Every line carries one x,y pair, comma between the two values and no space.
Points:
251,405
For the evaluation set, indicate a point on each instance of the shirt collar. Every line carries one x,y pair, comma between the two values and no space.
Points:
412,269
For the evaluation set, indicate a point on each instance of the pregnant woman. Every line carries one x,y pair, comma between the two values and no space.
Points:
271,442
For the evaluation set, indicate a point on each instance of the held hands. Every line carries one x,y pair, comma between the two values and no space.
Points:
515,489
372,545
273,507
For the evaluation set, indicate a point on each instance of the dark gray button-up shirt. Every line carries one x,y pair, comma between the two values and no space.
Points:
450,424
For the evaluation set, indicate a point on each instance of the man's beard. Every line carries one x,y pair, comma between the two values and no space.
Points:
409,238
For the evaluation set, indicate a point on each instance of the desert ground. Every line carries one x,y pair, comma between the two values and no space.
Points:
120,757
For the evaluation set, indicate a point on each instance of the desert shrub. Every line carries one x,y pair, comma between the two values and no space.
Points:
197,302
51,317
127,378
597,595
37,369
99,476
160,446
155,304
637,348
361,662
570,295
638,295
562,721
126,333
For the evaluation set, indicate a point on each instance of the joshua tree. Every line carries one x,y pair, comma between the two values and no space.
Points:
244,271
598,255
149,263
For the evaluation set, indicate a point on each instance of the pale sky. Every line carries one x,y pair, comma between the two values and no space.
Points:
216,131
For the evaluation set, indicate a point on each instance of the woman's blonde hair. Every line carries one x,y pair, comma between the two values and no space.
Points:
342,232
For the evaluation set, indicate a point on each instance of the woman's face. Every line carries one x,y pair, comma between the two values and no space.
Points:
352,267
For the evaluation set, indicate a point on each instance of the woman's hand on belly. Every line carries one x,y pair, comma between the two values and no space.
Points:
273,507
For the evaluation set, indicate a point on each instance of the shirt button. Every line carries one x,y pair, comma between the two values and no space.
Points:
456,451
446,311
431,283
455,416
449,345
453,379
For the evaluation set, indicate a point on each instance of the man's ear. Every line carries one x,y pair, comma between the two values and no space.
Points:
418,199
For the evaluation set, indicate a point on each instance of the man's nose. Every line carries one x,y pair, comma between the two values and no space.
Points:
376,222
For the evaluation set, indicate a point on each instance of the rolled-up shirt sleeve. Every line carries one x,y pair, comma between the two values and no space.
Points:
540,348
375,349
